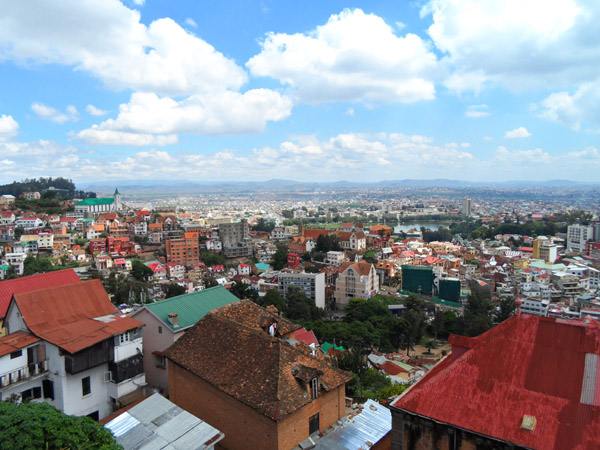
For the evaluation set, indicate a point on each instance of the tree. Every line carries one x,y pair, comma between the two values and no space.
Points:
300,307
477,317
174,290
140,271
507,308
242,291
279,259
212,259
40,425
273,297
33,265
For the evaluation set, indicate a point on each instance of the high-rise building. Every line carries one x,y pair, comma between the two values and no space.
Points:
467,205
578,236
544,249
236,239
184,250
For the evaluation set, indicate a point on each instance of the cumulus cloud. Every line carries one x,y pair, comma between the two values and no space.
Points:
54,115
353,57
114,46
92,110
191,22
517,133
9,127
217,113
477,111
572,110
518,44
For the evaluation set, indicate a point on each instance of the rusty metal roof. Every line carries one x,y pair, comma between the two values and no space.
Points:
526,366
74,316
16,341
33,283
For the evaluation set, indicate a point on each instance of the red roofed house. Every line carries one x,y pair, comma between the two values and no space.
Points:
81,355
32,283
530,382
236,370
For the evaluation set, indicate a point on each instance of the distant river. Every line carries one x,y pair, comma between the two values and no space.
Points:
433,226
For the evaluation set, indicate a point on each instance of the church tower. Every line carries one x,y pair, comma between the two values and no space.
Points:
117,198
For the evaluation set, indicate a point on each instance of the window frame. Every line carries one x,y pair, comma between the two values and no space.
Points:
86,385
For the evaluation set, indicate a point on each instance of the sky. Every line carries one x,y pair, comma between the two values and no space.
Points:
476,90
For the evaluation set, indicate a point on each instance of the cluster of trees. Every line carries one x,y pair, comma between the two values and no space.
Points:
212,259
328,243
40,425
121,289
298,307
263,225
476,230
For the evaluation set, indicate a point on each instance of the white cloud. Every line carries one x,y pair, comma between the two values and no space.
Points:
92,110
353,57
477,111
531,44
114,46
9,127
99,136
349,112
139,2
207,114
517,133
191,22
574,110
54,115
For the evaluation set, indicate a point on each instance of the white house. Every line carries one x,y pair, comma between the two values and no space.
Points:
76,351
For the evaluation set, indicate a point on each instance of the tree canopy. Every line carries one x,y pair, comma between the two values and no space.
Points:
41,426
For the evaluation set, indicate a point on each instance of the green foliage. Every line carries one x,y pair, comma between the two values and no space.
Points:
370,257
41,426
279,259
140,271
120,288
300,307
328,243
174,290
243,291
273,297
441,234
263,225
391,391
213,259
33,265
507,308
477,317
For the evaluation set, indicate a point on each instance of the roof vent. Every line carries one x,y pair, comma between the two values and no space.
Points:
173,319
528,422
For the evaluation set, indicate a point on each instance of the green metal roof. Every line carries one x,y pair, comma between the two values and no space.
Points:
263,267
327,346
190,308
95,201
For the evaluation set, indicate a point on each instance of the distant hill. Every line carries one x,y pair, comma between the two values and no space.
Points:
62,187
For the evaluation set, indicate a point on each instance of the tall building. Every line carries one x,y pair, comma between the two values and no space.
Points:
578,236
236,239
467,205
356,280
312,284
544,249
184,250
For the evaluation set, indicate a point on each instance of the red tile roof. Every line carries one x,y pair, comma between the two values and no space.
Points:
33,283
16,341
314,234
528,365
72,317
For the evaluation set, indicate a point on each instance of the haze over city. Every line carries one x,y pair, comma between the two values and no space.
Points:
317,91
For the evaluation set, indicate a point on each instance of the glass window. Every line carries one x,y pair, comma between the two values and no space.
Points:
16,354
86,386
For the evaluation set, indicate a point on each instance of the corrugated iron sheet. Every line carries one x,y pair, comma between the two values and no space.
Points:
370,426
525,366
16,341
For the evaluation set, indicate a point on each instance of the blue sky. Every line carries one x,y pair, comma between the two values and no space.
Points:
311,91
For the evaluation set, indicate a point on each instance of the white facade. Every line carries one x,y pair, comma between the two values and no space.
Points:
312,284
334,258
356,282
535,306
578,236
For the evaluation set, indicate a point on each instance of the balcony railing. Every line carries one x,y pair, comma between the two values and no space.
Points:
23,373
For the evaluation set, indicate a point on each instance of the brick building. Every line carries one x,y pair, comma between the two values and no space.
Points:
237,371
184,250
530,382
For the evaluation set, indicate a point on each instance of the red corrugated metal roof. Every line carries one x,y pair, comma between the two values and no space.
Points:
527,365
33,283
391,368
16,341
308,337
68,316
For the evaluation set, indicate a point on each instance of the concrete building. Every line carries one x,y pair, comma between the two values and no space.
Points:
184,250
334,258
236,240
467,206
544,249
356,280
578,236
312,284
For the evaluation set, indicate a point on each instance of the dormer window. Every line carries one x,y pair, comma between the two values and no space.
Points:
314,385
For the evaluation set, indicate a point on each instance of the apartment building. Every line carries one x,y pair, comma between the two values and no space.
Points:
578,236
312,284
356,280
236,240
184,250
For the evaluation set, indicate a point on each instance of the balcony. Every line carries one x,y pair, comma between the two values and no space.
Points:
23,373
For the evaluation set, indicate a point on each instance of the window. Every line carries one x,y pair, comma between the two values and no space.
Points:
314,384
86,386
16,354
32,393
160,361
313,424
159,329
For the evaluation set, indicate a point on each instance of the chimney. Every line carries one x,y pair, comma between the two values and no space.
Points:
173,319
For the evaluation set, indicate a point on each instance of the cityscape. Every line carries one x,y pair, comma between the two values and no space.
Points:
272,226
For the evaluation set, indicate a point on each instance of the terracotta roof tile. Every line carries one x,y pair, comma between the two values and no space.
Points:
231,349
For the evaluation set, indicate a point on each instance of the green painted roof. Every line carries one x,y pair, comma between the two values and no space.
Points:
95,201
4,267
543,265
327,346
117,191
190,308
